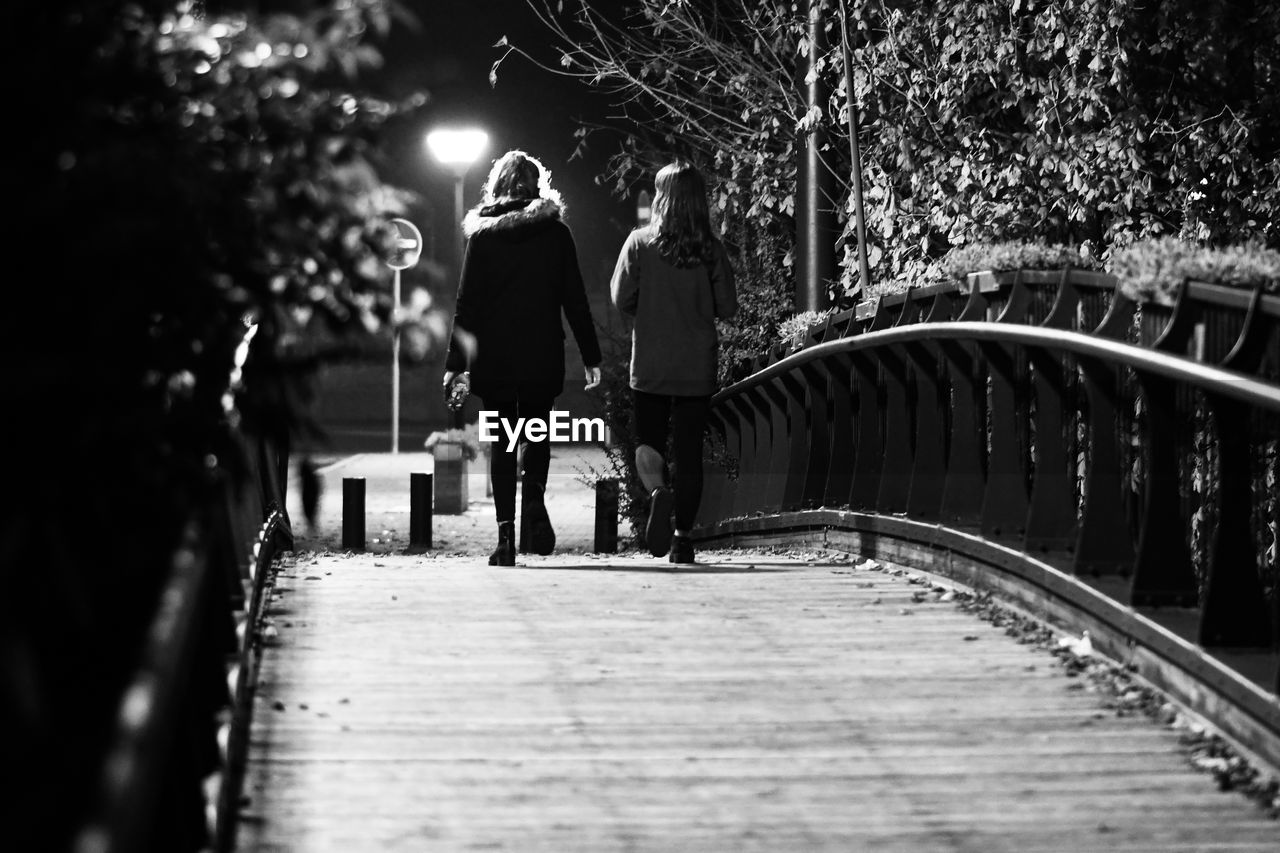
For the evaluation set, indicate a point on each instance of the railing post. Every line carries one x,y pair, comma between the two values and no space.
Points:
1051,519
816,399
353,536
869,447
840,461
420,521
719,504
1234,612
1104,543
895,472
965,480
1162,573
928,466
1004,504
714,476
798,417
755,435
771,447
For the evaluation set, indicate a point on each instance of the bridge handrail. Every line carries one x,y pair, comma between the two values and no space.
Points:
933,405
1228,383
172,773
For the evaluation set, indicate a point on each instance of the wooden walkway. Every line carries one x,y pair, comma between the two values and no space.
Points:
754,704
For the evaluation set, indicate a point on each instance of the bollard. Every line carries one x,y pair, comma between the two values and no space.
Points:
353,513
420,488
606,536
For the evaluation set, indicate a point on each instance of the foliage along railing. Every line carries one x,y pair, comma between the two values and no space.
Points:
171,778
1041,410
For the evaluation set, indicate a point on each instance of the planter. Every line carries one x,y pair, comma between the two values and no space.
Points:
452,495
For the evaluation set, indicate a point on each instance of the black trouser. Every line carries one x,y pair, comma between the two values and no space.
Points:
537,454
683,419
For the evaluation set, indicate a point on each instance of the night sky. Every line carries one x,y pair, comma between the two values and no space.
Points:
449,56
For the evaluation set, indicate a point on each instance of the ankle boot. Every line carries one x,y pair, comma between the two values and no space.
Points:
657,530
542,536
505,553
681,549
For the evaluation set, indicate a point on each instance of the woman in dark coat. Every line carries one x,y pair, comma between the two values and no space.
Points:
673,277
519,273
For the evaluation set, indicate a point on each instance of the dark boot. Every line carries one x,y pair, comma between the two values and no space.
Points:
681,549
657,531
505,553
542,537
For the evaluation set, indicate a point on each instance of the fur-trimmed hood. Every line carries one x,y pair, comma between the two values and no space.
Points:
505,214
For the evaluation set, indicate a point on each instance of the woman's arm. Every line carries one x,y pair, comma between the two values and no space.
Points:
624,288
723,288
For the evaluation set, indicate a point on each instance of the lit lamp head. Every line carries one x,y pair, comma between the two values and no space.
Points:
457,149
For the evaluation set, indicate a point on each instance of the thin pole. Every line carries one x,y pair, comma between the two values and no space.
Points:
396,365
864,269
459,210
816,185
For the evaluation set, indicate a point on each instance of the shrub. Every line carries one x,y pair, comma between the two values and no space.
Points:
1013,255
1153,270
762,302
793,331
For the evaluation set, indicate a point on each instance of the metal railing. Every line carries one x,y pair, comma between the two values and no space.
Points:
1127,447
171,777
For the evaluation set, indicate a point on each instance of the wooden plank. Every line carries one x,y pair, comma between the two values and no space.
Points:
433,703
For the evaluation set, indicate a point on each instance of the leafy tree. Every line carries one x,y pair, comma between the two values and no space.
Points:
1090,123
1079,121
187,174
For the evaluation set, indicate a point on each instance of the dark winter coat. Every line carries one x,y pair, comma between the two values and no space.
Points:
519,272
674,341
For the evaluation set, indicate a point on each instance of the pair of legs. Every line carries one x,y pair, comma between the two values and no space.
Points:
682,421
537,461
537,455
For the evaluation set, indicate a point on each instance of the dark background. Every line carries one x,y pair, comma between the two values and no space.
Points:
448,55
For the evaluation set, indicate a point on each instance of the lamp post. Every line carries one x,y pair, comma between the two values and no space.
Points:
458,149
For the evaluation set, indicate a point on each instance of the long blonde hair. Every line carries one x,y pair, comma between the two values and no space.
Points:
681,215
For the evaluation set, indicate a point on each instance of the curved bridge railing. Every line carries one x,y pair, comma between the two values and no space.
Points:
171,776
1110,464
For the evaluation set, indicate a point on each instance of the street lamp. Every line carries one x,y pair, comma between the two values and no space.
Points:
458,149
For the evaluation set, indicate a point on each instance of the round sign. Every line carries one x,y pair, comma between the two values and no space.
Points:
408,245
